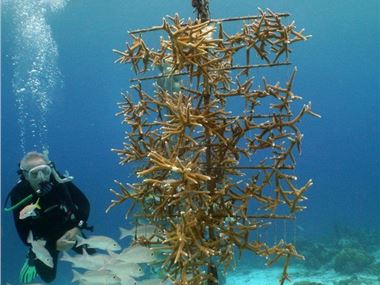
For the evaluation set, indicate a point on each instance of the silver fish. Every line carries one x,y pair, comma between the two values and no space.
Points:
100,242
38,247
98,276
146,231
137,254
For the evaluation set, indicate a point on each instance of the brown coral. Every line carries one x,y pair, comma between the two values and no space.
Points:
193,150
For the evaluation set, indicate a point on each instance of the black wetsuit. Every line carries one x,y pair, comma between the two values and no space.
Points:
61,209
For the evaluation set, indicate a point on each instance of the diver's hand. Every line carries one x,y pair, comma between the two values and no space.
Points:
63,245
71,234
44,188
68,239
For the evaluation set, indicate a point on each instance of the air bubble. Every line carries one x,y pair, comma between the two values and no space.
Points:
36,74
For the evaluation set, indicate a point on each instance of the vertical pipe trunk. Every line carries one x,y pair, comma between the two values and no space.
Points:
212,269
202,8
203,14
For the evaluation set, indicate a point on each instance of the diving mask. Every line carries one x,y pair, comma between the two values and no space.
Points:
39,173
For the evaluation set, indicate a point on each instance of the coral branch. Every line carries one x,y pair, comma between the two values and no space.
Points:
209,175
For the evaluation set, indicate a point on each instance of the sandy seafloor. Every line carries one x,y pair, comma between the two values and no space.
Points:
298,274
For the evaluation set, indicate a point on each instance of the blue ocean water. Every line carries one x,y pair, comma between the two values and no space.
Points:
61,52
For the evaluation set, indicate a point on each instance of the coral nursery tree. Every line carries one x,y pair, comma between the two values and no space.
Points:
210,177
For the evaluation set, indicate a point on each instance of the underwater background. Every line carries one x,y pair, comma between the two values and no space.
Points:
60,88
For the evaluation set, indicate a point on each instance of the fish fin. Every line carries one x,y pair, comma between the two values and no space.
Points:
124,232
80,240
111,253
84,252
30,237
77,276
38,204
41,242
66,257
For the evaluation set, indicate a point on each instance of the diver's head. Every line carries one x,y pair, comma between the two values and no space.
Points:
36,168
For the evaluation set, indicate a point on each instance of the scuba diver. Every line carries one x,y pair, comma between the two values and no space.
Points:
49,212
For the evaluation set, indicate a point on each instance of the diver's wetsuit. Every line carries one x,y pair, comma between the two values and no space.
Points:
61,210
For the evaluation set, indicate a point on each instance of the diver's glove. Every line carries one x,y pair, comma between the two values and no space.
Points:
28,271
45,187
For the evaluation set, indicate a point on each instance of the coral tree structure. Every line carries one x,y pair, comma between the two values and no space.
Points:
209,177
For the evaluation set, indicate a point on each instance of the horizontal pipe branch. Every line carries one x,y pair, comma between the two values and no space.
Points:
210,70
231,19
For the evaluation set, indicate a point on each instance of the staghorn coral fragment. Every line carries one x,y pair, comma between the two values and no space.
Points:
211,178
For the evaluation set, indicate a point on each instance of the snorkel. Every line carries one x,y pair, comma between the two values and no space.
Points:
53,172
